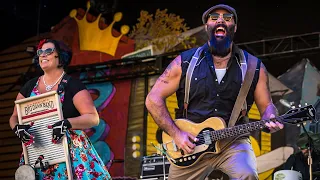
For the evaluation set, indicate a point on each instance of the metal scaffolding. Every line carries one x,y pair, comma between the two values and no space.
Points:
266,49
282,46
273,48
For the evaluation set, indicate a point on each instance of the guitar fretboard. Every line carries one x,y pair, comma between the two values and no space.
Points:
238,130
294,116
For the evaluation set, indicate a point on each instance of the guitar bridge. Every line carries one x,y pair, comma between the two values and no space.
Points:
207,137
175,148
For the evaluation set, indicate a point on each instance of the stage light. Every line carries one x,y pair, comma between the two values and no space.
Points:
136,154
135,146
135,139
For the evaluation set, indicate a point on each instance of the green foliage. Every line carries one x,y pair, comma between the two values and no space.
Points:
161,30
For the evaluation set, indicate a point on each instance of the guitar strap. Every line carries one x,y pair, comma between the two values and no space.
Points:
247,70
189,73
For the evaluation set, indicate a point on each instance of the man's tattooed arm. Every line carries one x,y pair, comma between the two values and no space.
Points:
166,85
165,76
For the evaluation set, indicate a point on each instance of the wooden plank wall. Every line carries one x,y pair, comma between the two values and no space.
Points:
135,127
14,62
152,127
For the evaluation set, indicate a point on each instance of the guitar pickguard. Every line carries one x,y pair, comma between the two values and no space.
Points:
202,146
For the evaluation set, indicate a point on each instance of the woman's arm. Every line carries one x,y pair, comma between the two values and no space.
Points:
89,116
14,117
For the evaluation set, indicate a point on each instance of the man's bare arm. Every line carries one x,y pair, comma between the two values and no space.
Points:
262,95
166,85
263,100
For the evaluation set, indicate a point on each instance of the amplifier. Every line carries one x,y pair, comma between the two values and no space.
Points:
153,166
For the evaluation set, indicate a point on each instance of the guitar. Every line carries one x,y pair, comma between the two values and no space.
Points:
212,130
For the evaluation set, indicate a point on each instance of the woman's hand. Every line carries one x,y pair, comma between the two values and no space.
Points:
59,130
23,134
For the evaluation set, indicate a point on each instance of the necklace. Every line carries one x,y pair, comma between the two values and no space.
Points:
49,87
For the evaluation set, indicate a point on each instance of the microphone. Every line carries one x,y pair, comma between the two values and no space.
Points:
285,103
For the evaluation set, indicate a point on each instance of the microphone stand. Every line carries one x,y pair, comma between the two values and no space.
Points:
163,162
164,167
309,152
163,154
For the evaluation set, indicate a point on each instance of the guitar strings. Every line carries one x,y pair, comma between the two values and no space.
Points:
214,135
229,132
241,129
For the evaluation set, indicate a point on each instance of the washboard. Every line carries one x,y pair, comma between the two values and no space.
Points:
43,110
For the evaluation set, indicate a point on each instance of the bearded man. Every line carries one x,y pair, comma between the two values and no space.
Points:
214,86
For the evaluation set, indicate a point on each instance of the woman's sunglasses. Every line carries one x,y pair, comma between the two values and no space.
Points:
216,16
46,51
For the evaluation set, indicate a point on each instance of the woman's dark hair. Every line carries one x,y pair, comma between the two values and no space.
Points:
64,52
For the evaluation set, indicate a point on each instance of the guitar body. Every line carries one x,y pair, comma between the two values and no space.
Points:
213,135
174,154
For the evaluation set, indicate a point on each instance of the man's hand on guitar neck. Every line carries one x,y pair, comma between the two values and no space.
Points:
273,126
185,141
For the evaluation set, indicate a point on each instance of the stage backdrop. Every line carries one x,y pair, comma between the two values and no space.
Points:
92,41
111,101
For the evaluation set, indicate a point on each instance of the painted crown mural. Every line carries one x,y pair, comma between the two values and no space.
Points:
92,38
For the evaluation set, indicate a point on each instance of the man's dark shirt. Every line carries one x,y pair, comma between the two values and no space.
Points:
207,97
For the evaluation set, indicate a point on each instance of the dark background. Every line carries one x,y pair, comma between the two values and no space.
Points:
257,19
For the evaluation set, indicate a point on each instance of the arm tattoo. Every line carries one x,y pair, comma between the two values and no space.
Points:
166,73
163,81
157,106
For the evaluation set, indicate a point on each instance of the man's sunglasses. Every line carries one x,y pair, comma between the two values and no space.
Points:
46,51
216,16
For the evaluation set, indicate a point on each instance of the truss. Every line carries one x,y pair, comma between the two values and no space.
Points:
272,48
283,46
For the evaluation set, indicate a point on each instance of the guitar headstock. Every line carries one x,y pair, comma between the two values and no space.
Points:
300,115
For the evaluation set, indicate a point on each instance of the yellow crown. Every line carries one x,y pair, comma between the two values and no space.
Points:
92,38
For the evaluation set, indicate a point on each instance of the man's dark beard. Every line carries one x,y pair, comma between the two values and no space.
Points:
220,47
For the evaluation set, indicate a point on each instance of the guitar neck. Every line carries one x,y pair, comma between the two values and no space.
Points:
294,116
238,130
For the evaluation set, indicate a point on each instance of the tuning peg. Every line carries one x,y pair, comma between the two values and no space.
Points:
299,105
306,104
298,125
293,107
